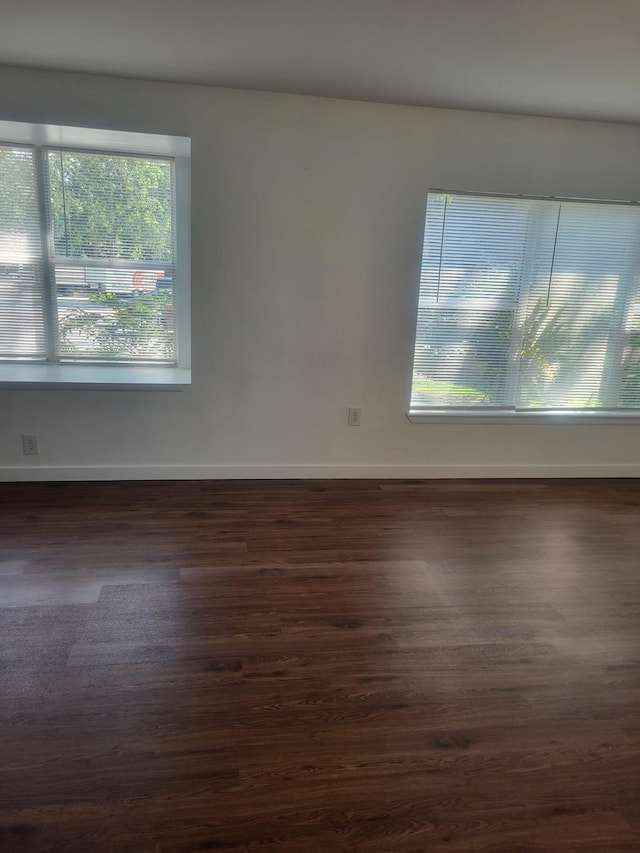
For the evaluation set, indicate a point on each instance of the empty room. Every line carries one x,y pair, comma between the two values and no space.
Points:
320,426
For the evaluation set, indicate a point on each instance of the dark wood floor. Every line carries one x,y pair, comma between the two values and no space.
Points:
320,666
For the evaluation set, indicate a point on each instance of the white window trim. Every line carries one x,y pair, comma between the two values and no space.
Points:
125,376
31,374
546,418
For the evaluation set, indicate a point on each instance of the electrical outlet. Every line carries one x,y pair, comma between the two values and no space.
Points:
355,416
30,445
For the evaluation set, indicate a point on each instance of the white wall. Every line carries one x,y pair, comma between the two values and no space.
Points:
307,219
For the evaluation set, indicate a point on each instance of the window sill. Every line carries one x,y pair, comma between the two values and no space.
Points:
98,376
556,418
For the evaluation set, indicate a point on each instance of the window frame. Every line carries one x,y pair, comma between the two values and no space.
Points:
52,373
502,415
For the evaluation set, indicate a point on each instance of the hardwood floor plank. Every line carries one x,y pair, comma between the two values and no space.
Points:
320,666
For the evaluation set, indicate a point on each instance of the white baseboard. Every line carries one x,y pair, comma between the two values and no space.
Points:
28,473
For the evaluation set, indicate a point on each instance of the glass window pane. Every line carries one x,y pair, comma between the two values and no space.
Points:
111,206
21,290
570,352
461,357
122,314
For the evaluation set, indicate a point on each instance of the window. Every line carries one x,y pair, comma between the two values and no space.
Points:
528,306
94,257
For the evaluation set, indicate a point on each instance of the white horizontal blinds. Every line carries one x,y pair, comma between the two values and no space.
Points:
113,236
22,334
575,329
528,304
474,260
629,387
623,379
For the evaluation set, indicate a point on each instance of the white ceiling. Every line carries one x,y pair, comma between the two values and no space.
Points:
576,58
